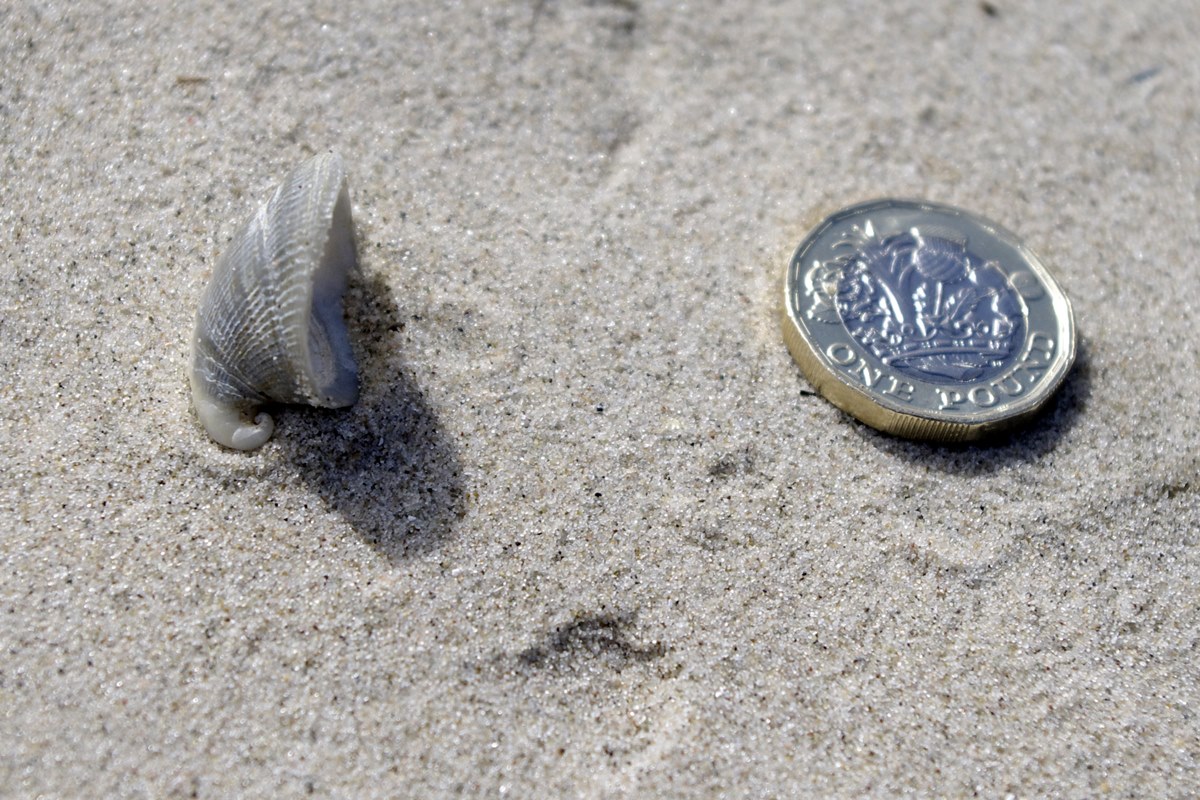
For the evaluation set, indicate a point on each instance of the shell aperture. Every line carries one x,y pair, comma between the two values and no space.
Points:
270,326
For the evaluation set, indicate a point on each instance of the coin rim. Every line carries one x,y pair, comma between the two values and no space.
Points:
878,411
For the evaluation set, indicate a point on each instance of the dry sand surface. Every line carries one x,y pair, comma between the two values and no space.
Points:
587,534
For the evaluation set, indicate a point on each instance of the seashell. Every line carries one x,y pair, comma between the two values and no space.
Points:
270,326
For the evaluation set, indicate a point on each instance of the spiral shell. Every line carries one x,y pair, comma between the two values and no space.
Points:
270,327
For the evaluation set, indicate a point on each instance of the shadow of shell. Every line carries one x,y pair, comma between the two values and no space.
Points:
387,465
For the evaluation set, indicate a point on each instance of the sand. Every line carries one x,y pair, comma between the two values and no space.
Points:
587,533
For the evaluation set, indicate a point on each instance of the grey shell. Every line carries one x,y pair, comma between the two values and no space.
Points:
270,327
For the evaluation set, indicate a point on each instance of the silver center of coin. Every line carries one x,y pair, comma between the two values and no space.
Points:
922,302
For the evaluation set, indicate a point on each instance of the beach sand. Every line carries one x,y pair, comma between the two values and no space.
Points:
588,533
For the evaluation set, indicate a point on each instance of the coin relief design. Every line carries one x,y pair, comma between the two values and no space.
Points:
926,321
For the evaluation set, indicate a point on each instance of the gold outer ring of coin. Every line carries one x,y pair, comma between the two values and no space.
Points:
989,384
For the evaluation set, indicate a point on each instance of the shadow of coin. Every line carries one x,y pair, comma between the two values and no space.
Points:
385,465
1025,444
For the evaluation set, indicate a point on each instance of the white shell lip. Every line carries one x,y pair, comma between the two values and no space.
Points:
270,327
